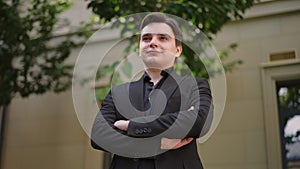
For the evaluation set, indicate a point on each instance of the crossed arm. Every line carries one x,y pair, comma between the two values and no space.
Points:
165,143
164,122
200,97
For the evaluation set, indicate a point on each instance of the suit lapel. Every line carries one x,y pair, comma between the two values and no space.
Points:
161,97
171,84
136,94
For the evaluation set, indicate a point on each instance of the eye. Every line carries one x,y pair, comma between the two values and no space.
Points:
163,38
146,38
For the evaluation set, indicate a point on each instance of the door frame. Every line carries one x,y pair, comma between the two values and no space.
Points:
270,73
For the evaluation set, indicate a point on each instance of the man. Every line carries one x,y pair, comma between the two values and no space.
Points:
164,127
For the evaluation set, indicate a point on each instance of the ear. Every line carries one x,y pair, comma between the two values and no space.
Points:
178,50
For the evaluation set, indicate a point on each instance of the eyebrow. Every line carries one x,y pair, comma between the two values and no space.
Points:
160,34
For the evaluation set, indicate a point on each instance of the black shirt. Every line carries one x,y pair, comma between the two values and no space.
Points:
148,163
149,86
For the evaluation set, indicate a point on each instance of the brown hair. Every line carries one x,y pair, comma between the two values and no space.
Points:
162,18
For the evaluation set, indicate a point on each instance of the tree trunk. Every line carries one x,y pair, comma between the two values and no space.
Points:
2,129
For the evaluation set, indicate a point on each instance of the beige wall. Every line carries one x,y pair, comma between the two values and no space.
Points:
44,132
240,140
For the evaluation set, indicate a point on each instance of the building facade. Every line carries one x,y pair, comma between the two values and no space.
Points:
46,132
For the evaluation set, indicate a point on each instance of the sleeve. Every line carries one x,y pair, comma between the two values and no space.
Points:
103,122
205,107
105,136
180,124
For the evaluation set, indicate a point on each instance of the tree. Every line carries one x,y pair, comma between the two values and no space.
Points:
208,15
30,63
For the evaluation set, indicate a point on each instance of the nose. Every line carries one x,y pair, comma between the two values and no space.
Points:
154,42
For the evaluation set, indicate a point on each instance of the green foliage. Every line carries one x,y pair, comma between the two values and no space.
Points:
208,15
32,60
127,68
290,98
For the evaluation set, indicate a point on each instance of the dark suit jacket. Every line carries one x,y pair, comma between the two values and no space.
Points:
178,110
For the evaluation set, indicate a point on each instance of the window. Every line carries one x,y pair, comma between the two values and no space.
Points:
288,99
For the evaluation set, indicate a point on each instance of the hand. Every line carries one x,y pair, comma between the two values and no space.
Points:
122,124
167,144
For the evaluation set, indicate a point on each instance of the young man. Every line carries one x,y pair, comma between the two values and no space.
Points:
171,119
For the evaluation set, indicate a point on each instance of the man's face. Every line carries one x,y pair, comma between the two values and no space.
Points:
157,46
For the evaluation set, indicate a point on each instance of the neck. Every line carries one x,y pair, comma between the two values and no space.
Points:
154,75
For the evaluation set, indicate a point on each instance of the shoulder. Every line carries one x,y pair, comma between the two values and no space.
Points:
198,80
202,81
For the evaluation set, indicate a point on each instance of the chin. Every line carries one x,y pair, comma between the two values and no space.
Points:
153,65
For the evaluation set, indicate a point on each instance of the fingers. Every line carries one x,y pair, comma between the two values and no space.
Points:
167,144
183,142
188,140
122,124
